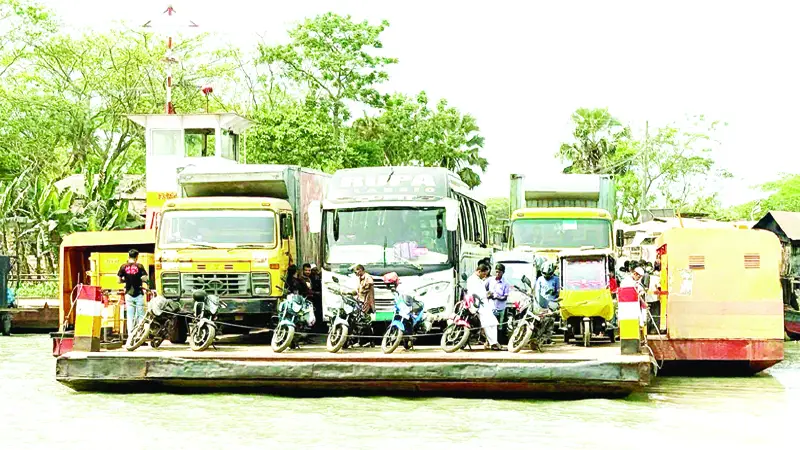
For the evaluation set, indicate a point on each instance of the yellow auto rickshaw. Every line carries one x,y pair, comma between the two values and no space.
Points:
587,295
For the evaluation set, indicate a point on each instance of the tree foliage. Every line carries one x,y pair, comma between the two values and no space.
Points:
496,213
598,143
64,101
335,60
670,168
408,131
783,194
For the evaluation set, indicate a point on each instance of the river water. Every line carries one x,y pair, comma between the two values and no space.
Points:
675,413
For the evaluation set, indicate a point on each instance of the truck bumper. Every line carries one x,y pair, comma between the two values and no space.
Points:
238,306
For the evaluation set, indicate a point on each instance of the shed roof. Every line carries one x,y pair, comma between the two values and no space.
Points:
788,222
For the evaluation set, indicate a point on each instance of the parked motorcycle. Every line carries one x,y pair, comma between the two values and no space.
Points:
203,329
529,323
294,312
348,323
464,324
409,315
157,324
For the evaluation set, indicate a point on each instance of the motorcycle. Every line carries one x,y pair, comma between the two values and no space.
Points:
348,323
158,322
529,323
295,311
409,318
203,329
464,324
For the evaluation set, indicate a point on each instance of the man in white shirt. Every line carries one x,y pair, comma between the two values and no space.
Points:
477,287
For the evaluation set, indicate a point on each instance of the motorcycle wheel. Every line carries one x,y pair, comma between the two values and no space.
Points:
156,342
179,332
5,321
202,337
454,338
612,335
520,337
282,338
138,336
337,337
391,339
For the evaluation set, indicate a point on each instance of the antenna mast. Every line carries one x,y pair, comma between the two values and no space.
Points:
171,27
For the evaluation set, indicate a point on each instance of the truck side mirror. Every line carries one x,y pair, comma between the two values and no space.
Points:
315,216
451,214
620,238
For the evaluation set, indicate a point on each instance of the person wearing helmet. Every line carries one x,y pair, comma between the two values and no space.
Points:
546,288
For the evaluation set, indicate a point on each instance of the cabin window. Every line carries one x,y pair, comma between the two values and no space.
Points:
199,142
752,261
166,143
697,262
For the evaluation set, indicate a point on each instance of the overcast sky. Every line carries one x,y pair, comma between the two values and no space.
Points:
521,68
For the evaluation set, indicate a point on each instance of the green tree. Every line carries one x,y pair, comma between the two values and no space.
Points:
671,169
408,131
496,213
335,59
783,194
598,145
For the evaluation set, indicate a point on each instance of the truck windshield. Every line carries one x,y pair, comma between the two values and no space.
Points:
413,237
217,228
562,233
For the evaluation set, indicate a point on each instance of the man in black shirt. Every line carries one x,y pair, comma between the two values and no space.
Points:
135,278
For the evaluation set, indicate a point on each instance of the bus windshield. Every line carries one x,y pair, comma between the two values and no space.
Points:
562,233
217,228
386,236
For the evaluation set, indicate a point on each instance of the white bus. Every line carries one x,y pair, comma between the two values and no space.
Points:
421,222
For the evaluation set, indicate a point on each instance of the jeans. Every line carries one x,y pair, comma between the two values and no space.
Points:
134,307
500,314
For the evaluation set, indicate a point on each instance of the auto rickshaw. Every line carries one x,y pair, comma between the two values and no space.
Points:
587,295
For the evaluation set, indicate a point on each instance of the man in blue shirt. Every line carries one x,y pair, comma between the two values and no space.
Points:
497,290
546,288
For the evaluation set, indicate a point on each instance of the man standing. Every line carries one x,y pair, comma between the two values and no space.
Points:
476,286
634,280
498,292
135,278
366,289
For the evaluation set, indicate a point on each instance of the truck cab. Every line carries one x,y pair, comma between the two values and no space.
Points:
234,232
236,248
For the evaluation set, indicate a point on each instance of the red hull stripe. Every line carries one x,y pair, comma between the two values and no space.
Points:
716,349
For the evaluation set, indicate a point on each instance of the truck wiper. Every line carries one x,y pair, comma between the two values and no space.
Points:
248,246
200,245
408,263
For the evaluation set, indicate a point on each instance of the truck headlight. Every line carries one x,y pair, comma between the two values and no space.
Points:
170,290
261,283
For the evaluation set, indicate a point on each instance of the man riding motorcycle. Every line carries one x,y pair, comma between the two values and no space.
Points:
545,292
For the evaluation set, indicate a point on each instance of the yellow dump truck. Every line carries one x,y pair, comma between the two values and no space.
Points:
233,232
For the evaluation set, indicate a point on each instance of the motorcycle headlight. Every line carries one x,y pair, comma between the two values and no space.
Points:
296,307
348,308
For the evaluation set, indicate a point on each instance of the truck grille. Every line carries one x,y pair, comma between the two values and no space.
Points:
221,284
384,300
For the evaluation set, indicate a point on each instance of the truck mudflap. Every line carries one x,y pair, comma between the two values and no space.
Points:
238,306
